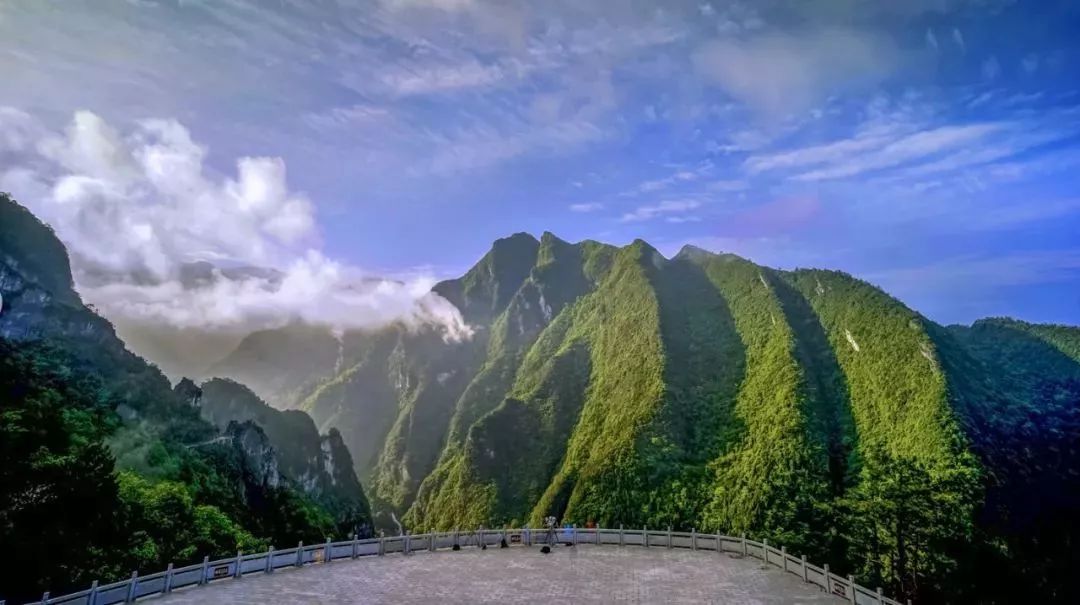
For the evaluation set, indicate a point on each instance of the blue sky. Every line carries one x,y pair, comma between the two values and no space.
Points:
930,146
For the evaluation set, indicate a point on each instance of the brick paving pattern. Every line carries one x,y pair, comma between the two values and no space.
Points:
582,574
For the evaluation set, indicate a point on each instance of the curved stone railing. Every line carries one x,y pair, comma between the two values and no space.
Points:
208,571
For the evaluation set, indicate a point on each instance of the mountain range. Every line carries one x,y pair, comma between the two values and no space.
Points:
613,385
600,384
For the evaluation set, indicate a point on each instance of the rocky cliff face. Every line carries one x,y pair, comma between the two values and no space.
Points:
318,465
258,457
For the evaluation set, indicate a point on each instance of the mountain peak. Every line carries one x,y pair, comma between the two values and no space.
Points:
548,237
519,238
690,251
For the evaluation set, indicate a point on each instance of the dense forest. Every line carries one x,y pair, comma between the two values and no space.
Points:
617,386
104,467
601,384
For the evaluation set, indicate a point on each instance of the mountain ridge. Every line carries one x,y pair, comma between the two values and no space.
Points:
615,385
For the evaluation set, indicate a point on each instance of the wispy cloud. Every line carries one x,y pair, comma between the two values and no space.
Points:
682,174
586,207
911,147
778,73
661,209
338,118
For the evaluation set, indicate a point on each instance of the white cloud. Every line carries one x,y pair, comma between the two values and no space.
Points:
441,78
682,174
991,69
445,5
815,154
1030,64
958,38
776,74
586,207
911,147
931,39
18,130
338,118
666,207
136,209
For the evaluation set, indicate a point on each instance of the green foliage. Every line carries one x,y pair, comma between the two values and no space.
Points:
910,528
57,489
163,524
76,406
66,516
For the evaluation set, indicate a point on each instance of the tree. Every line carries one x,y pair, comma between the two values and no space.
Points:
909,525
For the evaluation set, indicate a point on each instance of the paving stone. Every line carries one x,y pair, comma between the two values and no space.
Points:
582,574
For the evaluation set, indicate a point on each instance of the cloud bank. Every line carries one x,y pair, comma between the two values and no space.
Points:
157,238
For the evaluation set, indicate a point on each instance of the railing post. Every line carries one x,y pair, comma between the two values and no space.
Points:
645,536
166,588
719,543
355,545
456,538
669,536
382,543
205,566
765,550
880,597
804,576
783,553
45,598
573,534
745,550
405,549
432,543
131,587
828,580
239,562
621,542
527,537
269,559
693,538
91,599
597,530
300,553
851,585
327,551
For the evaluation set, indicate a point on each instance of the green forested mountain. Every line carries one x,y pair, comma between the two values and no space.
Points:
105,468
320,465
617,386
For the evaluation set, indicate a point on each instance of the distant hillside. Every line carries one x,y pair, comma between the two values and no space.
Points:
105,469
614,385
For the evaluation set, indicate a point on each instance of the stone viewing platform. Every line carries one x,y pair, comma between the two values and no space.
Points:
498,566
581,574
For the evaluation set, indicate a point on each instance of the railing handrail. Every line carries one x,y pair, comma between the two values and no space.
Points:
131,589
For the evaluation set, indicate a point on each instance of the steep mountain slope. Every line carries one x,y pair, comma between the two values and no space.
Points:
104,468
319,465
614,385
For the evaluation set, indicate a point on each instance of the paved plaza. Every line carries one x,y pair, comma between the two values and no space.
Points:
582,574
